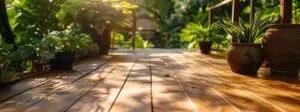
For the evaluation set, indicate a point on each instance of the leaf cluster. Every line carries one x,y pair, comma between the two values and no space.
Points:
242,32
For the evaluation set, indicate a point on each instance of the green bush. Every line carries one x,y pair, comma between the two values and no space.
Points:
195,32
141,43
68,40
93,49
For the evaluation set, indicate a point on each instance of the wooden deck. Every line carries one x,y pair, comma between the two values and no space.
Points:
152,80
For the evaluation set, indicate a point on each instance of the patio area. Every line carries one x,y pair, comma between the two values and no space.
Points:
153,80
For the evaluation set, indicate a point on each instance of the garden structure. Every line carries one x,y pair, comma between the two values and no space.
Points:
150,79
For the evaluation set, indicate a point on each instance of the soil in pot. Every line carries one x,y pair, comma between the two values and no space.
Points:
282,48
63,61
205,47
245,58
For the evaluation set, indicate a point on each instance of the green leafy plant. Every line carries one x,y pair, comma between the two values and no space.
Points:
68,40
242,32
5,61
196,32
31,20
141,43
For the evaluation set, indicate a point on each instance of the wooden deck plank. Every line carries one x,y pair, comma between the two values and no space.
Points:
101,98
136,94
274,96
32,96
292,88
166,93
221,66
9,91
201,94
66,96
235,94
205,84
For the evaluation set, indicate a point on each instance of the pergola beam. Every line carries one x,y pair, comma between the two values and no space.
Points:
286,9
235,9
219,5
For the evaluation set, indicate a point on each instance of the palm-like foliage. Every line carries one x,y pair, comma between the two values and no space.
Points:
242,32
195,32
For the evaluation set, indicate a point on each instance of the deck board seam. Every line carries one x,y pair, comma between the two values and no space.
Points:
127,77
151,86
181,87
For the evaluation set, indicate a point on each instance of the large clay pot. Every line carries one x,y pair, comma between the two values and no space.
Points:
205,47
282,48
245,58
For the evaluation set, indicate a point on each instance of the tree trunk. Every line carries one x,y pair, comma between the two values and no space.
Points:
5,29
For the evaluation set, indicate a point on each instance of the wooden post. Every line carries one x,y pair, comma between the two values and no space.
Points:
113,40
286,8
235,10
134,28
252,12
210,17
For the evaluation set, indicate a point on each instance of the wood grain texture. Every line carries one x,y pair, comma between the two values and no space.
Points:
136,94
64,96
166,93
102,96
34,95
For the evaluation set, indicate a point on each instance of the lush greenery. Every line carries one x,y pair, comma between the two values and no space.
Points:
38,29
196,32
173,15
123,42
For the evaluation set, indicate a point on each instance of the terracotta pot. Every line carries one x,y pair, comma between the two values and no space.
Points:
282,48
245,58
205,47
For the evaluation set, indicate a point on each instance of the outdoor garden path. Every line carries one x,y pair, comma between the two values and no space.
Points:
159,80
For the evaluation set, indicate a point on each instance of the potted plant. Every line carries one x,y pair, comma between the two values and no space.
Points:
245,54
196,33
65,44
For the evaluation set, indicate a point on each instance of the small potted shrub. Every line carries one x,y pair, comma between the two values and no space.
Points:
66,43
91,50
245,54
196,33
